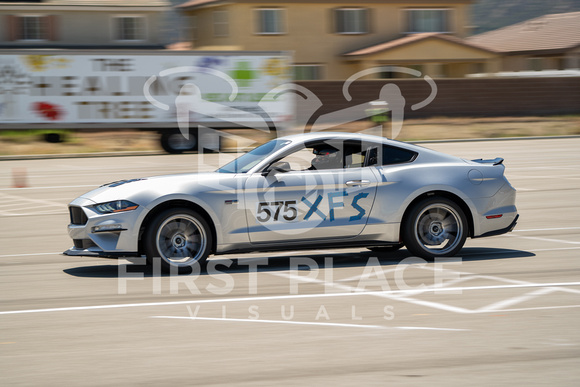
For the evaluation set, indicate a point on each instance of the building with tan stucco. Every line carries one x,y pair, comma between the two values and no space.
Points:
334,39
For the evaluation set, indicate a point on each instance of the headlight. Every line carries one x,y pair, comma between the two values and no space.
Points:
115,206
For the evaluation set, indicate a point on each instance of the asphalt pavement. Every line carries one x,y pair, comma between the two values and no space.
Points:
505,311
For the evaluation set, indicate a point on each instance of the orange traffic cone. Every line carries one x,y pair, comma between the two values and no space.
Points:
19,178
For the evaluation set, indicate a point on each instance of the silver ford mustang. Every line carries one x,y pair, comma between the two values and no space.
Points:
305,191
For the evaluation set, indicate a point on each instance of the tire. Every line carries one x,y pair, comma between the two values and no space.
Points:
435,227
174,142
386,249
180,238
53,138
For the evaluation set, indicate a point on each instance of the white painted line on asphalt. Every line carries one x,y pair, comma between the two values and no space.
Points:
394,293
401,295
554,249
4,213
14,202
547,229
53,187
538,308
544,239
273,322
30,200
517,300
190,302
306,323
513,251
536,177
500,279
28,255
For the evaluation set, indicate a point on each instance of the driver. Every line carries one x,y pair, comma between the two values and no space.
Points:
326,158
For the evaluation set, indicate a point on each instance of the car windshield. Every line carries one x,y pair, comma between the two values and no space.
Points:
247,161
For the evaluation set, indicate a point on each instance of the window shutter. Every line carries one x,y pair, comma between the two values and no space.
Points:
13,24
51,27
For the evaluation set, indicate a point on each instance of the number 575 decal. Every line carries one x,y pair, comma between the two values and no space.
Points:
274,210
287,209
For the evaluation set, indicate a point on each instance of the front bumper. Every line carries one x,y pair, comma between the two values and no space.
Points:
119,238
95,252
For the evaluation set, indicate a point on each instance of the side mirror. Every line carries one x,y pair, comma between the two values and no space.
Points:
277,167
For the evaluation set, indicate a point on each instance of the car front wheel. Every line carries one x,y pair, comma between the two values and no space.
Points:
180,238
435,227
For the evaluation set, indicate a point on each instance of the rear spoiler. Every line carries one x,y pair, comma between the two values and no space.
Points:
496,161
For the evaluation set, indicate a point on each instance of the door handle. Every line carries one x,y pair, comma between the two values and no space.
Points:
357,183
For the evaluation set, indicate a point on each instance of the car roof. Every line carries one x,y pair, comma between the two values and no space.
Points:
429,155
312,136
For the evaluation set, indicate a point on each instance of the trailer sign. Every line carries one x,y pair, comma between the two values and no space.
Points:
143,88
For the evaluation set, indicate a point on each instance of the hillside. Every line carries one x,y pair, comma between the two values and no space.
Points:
489,15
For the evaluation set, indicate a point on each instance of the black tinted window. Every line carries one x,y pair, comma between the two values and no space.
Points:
394,155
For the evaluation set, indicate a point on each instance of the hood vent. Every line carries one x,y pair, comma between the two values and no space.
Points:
120,182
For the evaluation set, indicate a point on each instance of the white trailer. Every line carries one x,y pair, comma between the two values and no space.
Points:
172,92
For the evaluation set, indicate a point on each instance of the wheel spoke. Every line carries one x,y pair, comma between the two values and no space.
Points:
438,228
181,240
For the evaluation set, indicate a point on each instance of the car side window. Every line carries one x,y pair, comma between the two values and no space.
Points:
372,156
299,160
338,154
394,155
355,160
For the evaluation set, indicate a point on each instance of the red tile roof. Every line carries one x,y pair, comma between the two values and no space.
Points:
196,3
546,33
409,39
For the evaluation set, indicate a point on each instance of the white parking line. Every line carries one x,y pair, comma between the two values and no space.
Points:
404,295
553,249
539,308
517,300
306,323
543,239
52,187
281,297
28,255
547,229
55,212
21,206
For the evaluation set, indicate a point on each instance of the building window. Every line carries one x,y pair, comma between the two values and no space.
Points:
33,28
478,68
535,64
220,24
270,21
400,74
307,72
130,27
428,20
351,21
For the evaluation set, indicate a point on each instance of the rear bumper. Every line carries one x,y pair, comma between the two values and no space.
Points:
502,231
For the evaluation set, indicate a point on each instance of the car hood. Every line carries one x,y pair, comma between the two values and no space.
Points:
145,190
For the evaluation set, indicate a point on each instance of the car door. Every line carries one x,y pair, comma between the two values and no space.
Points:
309,204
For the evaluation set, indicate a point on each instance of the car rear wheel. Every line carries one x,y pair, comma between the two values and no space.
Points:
435,227
180,238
